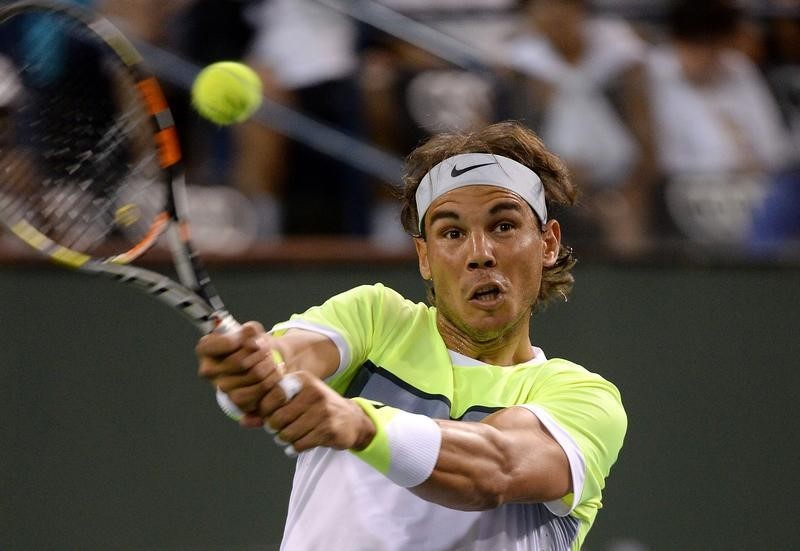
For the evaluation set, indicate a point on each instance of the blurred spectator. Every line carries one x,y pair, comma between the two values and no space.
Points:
588,85
306,56
418,91
144,19
782,64
206,31
409,89
585,93
777,222
203,31
719,135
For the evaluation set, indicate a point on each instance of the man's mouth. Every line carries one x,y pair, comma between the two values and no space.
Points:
486,293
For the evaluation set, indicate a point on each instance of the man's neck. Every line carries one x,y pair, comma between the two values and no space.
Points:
509,348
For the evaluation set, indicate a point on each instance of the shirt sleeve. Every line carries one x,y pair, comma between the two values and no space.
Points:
354,320
584,413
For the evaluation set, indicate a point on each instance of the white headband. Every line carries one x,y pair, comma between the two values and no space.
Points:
472,169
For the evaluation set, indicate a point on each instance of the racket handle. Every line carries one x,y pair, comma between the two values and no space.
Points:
227,324
289,384
228,407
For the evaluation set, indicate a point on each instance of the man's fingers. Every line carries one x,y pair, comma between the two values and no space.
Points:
292,395
252,328
246,398
216,345
311,439
228,382
245,390
298,429
251,421
256,351
316,416
310,430
224,344
212,367
260,350
248,389
286,391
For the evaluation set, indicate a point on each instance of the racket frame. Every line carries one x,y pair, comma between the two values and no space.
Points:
196,298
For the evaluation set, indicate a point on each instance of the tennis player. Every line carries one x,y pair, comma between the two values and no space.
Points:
439,427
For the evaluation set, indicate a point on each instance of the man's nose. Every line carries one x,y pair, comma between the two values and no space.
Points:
481,252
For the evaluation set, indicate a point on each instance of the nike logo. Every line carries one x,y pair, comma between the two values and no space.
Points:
456,172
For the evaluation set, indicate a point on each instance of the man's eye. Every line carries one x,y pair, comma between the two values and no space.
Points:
452,234
505,226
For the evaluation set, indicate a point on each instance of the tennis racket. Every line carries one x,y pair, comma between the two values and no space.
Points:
90,172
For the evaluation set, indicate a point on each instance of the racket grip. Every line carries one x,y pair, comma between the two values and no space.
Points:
228,407
290,386
227,324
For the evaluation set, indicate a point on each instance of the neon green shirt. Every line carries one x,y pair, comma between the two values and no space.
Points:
391,352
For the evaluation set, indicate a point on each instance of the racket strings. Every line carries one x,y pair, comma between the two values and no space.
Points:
78,161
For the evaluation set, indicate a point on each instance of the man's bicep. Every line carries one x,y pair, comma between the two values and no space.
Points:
507,457
589,422
541,469
576,464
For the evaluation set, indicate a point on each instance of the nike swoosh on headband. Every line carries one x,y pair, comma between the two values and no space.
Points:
484,169
456,172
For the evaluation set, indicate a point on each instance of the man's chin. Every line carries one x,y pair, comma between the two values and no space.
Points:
487,329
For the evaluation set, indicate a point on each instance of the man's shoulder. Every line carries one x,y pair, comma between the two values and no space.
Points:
559,370
379,295
374,306
374,291
567,388
562,366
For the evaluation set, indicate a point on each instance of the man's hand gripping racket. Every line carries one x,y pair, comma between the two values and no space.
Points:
90,172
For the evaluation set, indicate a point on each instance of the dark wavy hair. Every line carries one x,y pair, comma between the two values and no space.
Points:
513,140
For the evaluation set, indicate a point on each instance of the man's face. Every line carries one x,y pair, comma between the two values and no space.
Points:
485,251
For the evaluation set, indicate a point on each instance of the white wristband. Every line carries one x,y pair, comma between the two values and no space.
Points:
405,447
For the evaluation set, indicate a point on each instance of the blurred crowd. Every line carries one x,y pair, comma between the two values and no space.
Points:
679,118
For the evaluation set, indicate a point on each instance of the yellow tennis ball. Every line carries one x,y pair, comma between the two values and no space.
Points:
226,92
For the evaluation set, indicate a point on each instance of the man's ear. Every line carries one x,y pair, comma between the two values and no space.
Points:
551,239
422,257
